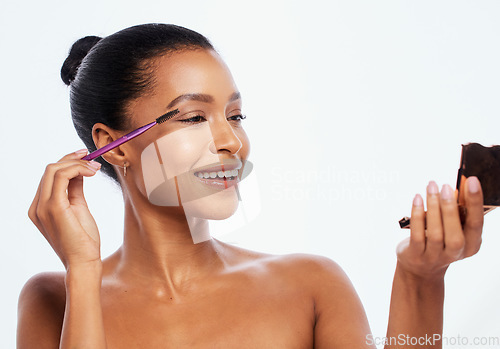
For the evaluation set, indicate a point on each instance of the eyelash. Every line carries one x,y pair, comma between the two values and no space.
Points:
200,118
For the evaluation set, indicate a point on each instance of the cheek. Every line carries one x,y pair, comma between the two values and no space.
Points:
170,158
179,151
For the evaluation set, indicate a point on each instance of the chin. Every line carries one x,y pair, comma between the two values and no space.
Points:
217,206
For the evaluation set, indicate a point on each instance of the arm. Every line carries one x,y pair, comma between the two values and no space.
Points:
437,239
83,323
416,311
60,212
340,319
61,311
40,312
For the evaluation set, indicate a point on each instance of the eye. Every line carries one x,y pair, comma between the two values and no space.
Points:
238,117
193,119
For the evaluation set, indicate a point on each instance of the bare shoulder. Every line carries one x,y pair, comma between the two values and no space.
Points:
336,305
312,265
45,290
41,310
305,269
312,271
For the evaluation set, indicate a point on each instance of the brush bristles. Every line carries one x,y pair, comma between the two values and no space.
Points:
167,116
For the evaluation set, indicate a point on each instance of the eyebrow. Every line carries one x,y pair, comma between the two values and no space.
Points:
200,97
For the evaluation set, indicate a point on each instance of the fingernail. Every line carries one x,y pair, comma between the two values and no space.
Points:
473,184
81,152
432,188
94,164
417,200
446,192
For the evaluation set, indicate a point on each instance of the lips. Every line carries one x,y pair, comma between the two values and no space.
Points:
221,176
219,184
228,166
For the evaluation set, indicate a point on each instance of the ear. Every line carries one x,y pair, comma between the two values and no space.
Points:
103,135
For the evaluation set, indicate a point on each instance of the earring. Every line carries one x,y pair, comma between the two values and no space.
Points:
125,164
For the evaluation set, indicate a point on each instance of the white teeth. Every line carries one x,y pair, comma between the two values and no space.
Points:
220,174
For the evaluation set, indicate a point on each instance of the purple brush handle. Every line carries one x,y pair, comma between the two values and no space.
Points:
118,142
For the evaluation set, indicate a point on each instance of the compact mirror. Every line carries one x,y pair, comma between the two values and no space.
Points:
484,163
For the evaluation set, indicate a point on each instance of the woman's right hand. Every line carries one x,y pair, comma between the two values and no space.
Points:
60,212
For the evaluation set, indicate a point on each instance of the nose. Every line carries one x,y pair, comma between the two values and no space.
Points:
224,138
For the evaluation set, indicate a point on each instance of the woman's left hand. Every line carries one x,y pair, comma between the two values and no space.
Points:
438,237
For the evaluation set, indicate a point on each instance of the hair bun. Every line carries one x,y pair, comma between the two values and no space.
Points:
76,54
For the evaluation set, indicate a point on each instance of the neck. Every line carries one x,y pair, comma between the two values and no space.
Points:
158,245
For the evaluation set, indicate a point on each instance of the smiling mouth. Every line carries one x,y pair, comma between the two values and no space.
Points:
218,175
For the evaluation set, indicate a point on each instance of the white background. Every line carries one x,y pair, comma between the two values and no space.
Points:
353,106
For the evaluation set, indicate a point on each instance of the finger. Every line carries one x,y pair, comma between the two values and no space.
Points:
63,176
77,196
75,187
454,239
34,204
75,191
434,243
75,155
475,214
47,179
46,203
417,226
54,206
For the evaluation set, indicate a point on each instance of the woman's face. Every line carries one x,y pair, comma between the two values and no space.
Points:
195,159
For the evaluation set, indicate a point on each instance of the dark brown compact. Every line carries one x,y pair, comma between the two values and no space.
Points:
484,163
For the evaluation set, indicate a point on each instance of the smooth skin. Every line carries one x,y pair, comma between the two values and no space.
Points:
159,290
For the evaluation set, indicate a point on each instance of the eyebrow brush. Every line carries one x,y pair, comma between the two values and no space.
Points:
131,135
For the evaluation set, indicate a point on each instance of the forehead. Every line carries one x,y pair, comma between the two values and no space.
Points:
193,71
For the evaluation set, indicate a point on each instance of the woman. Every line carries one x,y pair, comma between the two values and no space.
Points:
161,290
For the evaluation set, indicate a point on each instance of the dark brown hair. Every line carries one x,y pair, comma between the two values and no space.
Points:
106,74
